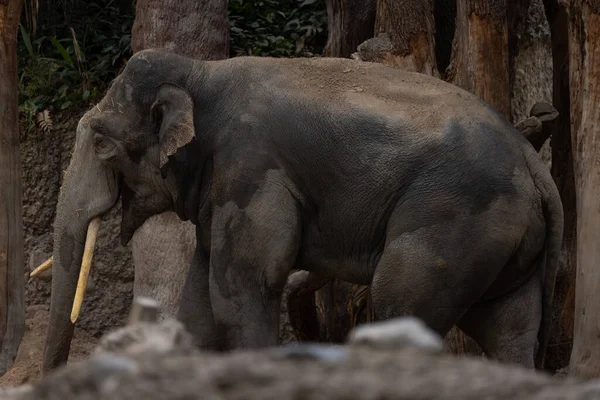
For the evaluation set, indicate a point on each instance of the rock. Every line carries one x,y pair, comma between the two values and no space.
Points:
144,337
157,361
395,333
364,373
328,353
14,393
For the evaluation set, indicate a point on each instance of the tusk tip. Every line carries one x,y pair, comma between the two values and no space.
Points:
86,263
46,265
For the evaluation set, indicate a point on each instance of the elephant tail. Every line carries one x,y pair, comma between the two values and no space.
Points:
553,215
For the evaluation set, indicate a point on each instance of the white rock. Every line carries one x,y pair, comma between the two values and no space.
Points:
395,334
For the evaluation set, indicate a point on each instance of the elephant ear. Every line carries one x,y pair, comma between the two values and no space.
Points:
174,107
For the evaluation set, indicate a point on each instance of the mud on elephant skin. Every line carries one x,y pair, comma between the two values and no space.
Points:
406,183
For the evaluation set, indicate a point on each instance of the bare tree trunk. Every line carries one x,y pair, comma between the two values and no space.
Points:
559,349
584,69
350,23
194,28
12,281
480,61
410,27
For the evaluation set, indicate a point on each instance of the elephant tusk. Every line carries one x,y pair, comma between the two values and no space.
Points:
46,265
86,263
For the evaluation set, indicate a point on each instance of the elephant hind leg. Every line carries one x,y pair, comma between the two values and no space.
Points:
506,328
437,272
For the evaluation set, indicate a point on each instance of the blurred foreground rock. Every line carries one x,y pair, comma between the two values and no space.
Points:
157,361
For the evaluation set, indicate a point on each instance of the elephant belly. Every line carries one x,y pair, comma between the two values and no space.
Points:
346,239
341,261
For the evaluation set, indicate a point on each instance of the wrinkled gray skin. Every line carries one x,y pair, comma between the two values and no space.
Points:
403,182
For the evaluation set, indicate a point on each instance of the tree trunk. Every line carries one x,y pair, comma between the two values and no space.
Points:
12,284
516,14
193,28
584,69
350,23
559,348
480,61
409,25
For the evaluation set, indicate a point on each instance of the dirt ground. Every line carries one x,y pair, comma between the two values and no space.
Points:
26,368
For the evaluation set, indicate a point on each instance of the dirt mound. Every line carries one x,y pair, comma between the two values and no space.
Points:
159,362
26,368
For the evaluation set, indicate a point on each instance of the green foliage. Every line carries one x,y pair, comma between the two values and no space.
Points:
277,28
65,64
75,48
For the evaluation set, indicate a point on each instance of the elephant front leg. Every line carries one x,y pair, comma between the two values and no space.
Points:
253,250
195,309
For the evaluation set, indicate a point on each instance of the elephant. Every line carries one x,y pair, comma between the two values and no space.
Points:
345,169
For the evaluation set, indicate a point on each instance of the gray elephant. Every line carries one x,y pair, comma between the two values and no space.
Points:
346,169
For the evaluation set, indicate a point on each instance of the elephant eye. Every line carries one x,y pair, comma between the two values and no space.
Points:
104,147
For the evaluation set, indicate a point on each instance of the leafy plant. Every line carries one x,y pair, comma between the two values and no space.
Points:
65,65
69,50
276,28
44,121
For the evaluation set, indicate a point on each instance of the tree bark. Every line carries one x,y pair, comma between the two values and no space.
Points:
410,27
12,284
350,23
584,80
559,348
516,14
193,28
480,62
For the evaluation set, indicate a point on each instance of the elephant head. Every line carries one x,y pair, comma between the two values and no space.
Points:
123,148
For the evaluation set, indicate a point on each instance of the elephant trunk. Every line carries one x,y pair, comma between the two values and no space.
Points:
68,252
89,190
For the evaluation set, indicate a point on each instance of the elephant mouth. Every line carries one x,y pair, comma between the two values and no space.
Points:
137,208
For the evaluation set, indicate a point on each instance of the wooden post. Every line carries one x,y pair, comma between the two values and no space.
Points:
584,80
12,284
